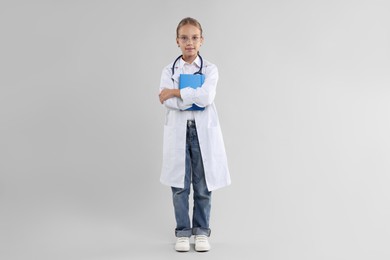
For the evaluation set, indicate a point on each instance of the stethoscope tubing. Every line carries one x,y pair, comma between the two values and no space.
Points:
198,72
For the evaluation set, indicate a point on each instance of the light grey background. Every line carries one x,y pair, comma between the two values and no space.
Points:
303,101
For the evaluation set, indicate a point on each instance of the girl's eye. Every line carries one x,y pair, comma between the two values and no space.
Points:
185,39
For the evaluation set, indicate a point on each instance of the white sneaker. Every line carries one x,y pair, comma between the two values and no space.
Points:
182,244
202,243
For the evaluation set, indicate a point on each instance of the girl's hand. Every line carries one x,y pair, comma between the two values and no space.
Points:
167,93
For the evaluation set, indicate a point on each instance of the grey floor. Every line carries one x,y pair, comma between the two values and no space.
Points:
88,239
268,230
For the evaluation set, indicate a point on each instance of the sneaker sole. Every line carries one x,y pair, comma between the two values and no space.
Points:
182,249
204,249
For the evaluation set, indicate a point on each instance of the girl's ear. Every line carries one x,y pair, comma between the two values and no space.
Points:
201,40
177,41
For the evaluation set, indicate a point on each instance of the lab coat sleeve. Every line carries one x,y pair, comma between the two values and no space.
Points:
174,103
204,95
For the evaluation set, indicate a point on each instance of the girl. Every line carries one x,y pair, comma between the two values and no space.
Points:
194,151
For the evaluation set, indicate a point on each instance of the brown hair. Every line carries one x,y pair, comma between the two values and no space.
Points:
189,20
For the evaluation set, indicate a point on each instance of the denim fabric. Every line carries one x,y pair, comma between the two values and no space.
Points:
202,197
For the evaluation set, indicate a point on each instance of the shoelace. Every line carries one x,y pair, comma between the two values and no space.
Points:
182,239
201,239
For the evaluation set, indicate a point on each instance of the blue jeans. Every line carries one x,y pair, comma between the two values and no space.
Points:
202,197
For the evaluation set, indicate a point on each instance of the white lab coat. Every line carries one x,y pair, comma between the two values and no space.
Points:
207,124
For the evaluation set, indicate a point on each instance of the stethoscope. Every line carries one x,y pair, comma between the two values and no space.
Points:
198,72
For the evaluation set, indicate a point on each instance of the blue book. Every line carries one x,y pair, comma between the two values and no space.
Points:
193,81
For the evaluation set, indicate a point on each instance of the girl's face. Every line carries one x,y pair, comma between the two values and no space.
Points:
189,41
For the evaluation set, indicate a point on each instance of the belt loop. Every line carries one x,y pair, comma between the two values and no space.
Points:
190,123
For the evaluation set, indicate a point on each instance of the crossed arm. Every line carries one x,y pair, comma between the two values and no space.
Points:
167,93
174,98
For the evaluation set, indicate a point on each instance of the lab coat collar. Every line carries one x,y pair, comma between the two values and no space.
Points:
179,66
196,61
